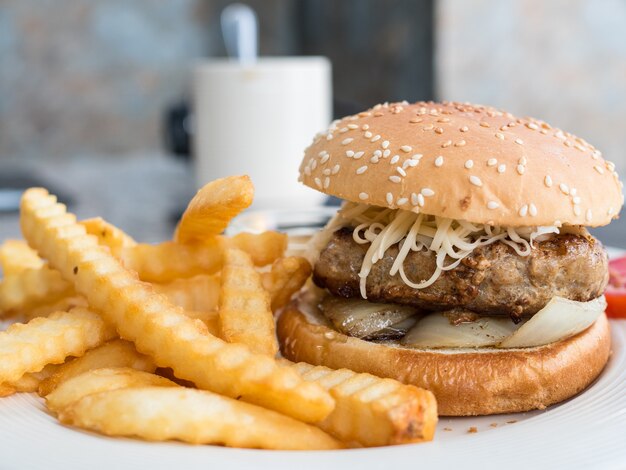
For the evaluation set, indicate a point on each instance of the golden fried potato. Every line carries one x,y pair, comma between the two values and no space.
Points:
373,411
209,317
30,347
107,234
245,314
159,328
114,353
101,380
62,305
264,248
31,288
287,277
213,207
195,416
199,293
16,256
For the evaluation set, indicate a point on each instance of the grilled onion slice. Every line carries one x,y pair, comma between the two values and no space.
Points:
367,320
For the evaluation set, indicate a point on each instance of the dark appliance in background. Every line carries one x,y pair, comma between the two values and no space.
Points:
380,50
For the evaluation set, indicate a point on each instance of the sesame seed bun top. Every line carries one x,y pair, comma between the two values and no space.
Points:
466,162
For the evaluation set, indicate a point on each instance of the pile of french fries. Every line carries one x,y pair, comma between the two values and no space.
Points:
176,341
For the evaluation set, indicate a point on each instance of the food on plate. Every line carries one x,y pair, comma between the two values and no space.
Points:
108,234
29,382
460,261
213,207
30,347
100,380
163,413
114,353
157,327
286,277
372,411
245,315
616,289
16,256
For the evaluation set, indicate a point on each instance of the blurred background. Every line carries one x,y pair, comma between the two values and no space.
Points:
96,98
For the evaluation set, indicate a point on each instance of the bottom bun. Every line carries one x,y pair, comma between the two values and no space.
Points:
465,382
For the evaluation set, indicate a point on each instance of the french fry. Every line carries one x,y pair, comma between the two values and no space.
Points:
108,234
287,277
159,328
209,317
16,256
212,208
373,411
115,353
62,305
101,380
199,293
245,314
194,416
29,382
264,248
30,288
31,346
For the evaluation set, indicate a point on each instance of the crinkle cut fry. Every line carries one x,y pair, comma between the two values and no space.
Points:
157,327
29,347
371,410
16,256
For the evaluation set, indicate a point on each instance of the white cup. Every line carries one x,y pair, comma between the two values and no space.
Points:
257,120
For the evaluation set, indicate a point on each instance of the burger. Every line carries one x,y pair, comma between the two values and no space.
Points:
460,261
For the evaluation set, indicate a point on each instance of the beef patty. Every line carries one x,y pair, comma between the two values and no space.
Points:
492,280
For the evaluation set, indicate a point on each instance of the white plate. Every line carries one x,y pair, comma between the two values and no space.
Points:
587,431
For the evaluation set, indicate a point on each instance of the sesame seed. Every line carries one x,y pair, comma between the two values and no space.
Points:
446,144
492,162
564,188
577,210
439,161
420,200
523,210
504,127
469,164
375,138
599,169
336,169
313,165
326,182
394,159
389,198
367,134
573,191
500,136
385,144
343,130
427,192
401,171
416,120
519,141
324,159
484,124
460,143
492,205
547,181
358,155
386,153
326,172
417,157
521,169
464,129
349,153
365,127
443,119
406,148
428,127
439,130
610,165
318,182
361,170
522,161
352,126
532,125
374,159
576,200
568,143
378,114
589,215
532,210
609,212
329,137
402,201
363,196
414,200
475,180
378,153
395,179
322,153
347,141
307,170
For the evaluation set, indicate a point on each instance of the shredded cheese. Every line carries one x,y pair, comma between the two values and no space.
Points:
451,240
